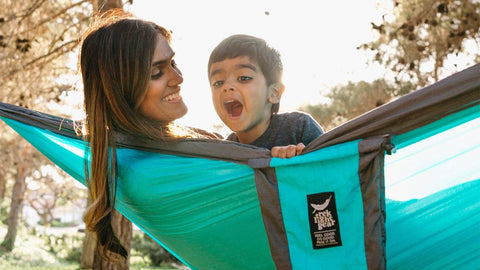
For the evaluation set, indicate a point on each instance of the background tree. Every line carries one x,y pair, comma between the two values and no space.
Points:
419,42
344,102
18,192
49,187
121,225
7,139
416,37
38,42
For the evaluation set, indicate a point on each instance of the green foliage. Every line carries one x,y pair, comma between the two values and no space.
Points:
4,210
57,223
35,251
415,40
66,246
147,247
417,36
7,245
30,252
353,99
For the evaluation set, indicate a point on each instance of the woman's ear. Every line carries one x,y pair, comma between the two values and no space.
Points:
275,92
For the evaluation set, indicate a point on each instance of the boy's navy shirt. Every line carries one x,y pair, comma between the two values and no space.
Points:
285,129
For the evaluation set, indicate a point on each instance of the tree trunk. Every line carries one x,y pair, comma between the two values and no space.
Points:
104,5
17,198
123,229
121,226
3,186
89,244
88,250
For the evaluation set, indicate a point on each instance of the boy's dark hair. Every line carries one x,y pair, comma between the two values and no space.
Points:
267,58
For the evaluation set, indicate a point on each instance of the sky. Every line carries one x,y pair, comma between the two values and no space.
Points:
316,39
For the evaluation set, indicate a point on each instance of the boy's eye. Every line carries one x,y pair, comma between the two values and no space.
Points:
173,63
217,83
244,78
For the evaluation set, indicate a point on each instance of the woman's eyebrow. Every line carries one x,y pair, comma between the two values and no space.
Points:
163,61
159,63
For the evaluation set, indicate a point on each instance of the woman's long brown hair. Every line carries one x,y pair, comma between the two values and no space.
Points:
115,62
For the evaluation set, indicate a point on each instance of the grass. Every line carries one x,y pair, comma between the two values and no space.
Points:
29,254
32,253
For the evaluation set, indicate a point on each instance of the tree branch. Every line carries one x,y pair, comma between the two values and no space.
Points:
58,14
32,9
13,72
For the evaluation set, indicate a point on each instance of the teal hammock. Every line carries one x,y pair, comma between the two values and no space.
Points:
343,204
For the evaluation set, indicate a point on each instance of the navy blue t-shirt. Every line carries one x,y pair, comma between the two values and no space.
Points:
285,129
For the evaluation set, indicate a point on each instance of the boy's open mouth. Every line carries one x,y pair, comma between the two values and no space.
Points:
233,107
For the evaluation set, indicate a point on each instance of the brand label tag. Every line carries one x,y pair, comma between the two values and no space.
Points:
323,219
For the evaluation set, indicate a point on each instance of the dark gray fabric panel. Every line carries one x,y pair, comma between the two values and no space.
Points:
50,122
419,108
267,190
372,183
203,148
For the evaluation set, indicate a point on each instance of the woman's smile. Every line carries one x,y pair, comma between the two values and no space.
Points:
174,97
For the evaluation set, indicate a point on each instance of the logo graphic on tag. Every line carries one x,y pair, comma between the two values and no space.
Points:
323,219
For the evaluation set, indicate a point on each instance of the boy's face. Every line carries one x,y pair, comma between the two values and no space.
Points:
241,96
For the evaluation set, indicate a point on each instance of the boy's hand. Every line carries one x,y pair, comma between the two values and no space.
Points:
287,151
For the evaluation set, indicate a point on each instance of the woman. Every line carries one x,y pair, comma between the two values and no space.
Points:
131,85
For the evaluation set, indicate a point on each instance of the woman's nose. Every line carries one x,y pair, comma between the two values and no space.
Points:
177,77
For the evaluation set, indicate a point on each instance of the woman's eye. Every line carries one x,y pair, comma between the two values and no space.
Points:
156,73
173,64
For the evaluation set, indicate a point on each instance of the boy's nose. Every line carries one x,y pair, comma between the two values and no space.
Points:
228,86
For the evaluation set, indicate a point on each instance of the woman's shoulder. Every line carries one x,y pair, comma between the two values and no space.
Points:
205,134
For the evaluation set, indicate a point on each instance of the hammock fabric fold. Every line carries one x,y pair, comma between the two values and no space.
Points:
224,205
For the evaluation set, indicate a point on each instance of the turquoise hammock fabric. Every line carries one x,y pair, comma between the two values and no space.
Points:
200,207
433,208
223,205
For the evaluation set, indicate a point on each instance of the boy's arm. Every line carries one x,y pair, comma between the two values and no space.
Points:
311,129
304,128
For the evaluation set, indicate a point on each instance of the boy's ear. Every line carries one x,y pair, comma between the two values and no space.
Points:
275,92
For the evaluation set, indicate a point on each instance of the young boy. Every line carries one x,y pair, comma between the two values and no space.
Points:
245,77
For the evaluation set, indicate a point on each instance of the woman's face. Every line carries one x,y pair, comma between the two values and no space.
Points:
162,101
